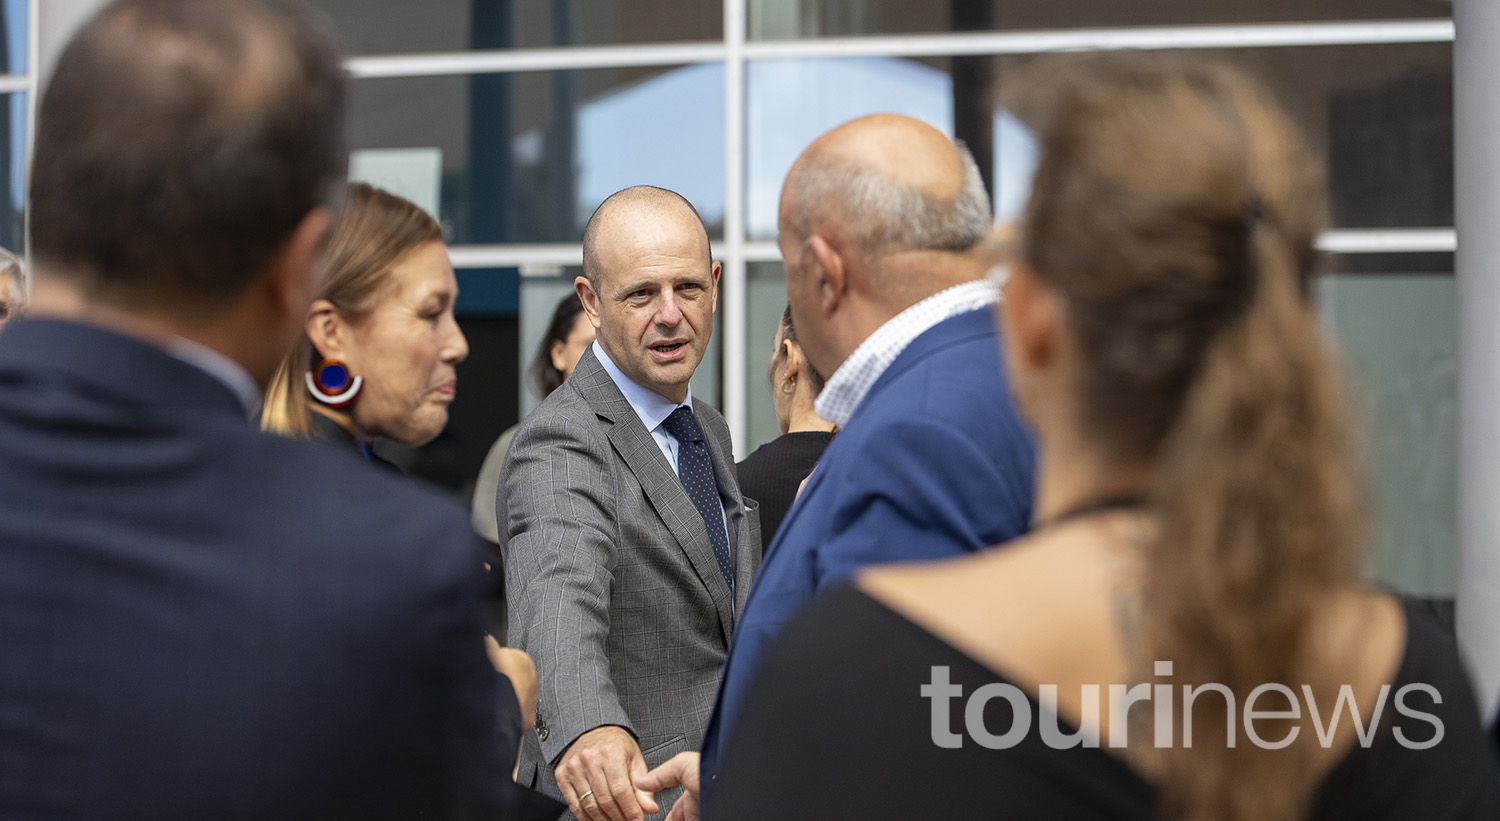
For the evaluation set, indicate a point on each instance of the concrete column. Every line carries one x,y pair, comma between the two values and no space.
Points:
1476,101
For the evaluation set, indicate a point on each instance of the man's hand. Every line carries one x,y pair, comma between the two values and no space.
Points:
597,775
680,769
516,665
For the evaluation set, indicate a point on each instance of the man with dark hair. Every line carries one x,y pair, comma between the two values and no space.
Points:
198,620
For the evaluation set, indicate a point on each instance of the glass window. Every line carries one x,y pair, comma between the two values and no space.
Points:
14,42
786,19
1398,340
13,173
1380,115
765,294
403,26
527,157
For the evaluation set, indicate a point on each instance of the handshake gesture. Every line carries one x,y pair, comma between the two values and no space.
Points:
603,778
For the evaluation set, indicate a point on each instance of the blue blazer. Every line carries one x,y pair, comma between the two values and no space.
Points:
198,620
934,463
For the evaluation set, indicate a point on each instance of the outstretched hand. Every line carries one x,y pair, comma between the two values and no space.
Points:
679,770
596,777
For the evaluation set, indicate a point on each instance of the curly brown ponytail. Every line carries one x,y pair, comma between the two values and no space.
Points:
1175,210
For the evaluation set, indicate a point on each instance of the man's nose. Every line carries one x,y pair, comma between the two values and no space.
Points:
668,313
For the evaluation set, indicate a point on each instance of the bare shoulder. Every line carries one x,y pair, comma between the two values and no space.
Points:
927,592
1361,633
1020,609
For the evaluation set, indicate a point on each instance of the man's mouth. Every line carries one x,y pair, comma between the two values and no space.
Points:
667,351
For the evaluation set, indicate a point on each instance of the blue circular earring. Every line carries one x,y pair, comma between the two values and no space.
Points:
331,384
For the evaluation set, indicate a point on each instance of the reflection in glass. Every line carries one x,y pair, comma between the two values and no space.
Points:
13,174
1381,116
1398,340
13,39
765,294
527,157
405,26
786,19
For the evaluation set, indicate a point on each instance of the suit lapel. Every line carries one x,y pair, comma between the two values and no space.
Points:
662,487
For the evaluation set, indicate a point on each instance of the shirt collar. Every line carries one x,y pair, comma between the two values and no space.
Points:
650,406
847,387
220,367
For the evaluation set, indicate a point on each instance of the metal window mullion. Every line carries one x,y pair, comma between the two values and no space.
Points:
1255,35
33,87
539,256
1250,35
494,61
1388,240
733,286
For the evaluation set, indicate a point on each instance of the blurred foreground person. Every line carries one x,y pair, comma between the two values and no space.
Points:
773,473
568,335
1198,526
12,288
381,346
199,620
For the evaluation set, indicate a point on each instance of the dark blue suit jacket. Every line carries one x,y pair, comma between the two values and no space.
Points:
934,463
198,620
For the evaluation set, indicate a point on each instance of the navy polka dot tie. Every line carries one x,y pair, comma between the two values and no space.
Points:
696,470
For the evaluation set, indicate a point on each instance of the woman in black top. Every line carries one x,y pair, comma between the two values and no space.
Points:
1199,526
773,474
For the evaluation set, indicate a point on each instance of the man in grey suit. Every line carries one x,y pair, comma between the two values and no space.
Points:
630,550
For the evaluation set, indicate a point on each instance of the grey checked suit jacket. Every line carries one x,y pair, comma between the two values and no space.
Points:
613,587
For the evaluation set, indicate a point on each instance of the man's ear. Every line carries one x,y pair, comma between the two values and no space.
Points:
832,274
326,330
1033,316
716,269
296,270
589,299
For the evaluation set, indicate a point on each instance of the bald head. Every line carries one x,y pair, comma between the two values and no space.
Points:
888,183
636,220
650,287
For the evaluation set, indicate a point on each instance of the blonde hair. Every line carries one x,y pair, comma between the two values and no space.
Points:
375,230
1174,210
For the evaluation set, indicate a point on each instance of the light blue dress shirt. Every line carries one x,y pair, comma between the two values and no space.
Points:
653,409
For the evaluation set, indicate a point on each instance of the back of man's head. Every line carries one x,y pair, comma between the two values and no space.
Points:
889,184
179,145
